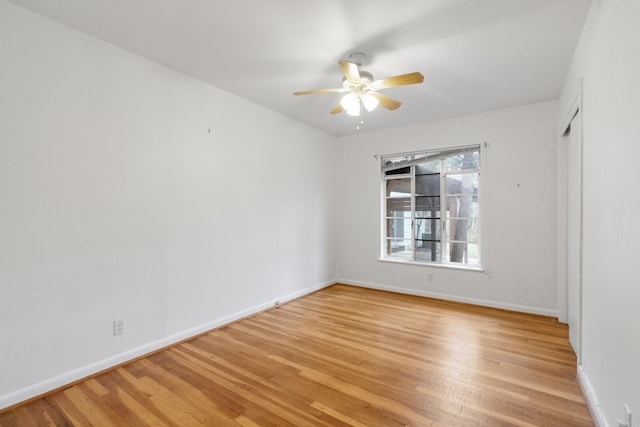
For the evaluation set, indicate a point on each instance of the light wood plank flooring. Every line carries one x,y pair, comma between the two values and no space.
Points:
343,356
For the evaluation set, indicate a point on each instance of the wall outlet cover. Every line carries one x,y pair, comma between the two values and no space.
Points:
118,327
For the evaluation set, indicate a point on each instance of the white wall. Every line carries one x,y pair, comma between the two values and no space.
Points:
608,59
116,202
522,204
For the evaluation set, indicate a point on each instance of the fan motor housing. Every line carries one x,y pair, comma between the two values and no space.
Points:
366,78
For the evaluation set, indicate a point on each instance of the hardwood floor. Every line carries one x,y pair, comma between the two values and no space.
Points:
343,356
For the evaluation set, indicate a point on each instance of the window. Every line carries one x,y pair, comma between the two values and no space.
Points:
431,207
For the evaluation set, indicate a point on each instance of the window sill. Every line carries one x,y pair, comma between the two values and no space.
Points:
424,264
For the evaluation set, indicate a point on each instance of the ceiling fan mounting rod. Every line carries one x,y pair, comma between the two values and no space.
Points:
358,58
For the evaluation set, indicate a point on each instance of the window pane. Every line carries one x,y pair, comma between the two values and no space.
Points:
428,229
467,160
462,207
428,206
399,187
428,251
428,185
465,183
399,228
399,248
400,171
462,230
463,253
473,254
399,207
428,167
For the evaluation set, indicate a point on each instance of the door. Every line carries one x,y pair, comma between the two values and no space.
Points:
574,233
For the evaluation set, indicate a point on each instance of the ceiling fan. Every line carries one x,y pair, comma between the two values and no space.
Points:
362,89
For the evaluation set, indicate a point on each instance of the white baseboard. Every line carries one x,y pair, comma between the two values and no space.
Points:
448,297
70,377
592,399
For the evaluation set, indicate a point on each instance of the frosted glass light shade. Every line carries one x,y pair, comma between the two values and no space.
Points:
351,103
370,102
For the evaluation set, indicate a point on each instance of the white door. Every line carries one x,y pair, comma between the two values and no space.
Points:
574,233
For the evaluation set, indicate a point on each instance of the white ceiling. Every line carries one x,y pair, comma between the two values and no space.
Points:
476,55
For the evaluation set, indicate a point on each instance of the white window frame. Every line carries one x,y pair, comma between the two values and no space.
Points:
445,241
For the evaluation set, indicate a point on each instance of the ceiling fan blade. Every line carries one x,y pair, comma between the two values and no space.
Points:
337,109
401,80
350,70
313,92
385,101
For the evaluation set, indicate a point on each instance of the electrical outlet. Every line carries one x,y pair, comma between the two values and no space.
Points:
430,277
118,327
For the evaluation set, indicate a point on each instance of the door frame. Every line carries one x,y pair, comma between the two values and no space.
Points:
574,110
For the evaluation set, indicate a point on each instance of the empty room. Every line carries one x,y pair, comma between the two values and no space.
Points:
337,213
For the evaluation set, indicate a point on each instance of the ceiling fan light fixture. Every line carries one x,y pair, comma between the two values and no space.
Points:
370,102
355,111
351,103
